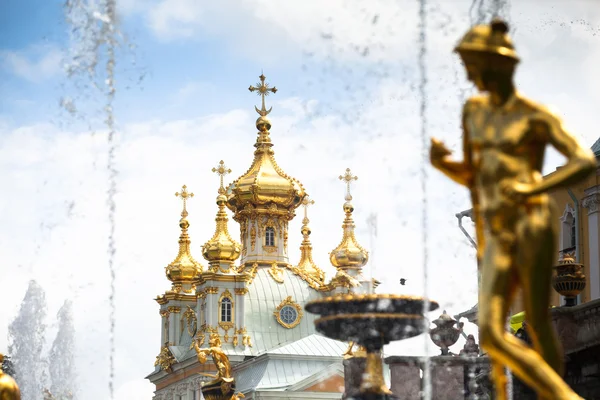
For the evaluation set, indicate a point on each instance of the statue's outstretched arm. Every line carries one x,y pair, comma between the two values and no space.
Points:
581,162
460,172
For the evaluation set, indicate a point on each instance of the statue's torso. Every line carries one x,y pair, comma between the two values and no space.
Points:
503,147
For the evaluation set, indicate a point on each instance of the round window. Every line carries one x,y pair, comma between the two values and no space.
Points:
288,315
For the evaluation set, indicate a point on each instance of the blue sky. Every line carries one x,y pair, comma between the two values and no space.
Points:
338,106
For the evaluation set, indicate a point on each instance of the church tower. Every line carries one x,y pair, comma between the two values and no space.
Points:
349,257
264,199
177,305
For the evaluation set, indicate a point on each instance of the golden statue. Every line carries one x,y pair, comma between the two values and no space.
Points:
8,387
504,138
223,378
350,353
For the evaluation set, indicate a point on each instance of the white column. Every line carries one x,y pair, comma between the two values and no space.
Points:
591,203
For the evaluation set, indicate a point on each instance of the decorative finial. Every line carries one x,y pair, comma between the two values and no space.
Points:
221,249
221,170
305,203
263,90
348,178
184,194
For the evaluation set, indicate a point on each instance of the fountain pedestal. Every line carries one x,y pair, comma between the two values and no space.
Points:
372,321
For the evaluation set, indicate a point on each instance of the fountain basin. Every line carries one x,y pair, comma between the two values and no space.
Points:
371,320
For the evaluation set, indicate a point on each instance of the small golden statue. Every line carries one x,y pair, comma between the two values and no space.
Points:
504,138
9,390
350,353
223,379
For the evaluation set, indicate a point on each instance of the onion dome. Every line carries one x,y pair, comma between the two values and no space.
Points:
349,254
221,248
264,183
306,263
184,268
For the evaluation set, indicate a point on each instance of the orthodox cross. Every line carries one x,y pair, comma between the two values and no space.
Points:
263,90
184,194
348,178
305,203
221,170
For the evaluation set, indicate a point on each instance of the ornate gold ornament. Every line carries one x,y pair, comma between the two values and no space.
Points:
164,313
504,138
252,237
264,187
240,291
270,249
306,268
165,359
192,321
348,254
276,273
246,341
288,313
174,309
221,248
184,268
235,341
212,290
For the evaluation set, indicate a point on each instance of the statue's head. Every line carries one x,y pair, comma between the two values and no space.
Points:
214,340
488,54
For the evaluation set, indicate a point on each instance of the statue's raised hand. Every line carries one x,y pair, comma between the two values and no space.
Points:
438,151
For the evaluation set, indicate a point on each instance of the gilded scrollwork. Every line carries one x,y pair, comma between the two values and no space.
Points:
252,238
192,321
276,273
165,359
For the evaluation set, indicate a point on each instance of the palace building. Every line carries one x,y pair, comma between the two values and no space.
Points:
251,294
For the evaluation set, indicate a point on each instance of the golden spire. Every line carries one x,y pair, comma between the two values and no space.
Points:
184,268
306,262
264,184
221,248
349,254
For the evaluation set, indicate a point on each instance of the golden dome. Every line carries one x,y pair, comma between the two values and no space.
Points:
264,183
348,254
221,247
184,268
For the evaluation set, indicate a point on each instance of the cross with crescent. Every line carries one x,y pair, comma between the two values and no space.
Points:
184,194
221,170
263,90
305,203
348,178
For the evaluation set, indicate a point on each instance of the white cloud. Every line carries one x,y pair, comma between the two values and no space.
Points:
34,64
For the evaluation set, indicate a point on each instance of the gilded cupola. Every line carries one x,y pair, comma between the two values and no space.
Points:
184,269
264,185
221,248
306,264
348,255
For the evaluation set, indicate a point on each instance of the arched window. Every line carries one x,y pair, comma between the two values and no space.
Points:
226,309
573,235
270,236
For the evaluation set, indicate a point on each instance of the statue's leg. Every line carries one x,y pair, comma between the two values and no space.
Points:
498,281
535,256
497,284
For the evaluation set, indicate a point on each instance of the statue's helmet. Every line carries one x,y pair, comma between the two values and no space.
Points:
490,39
